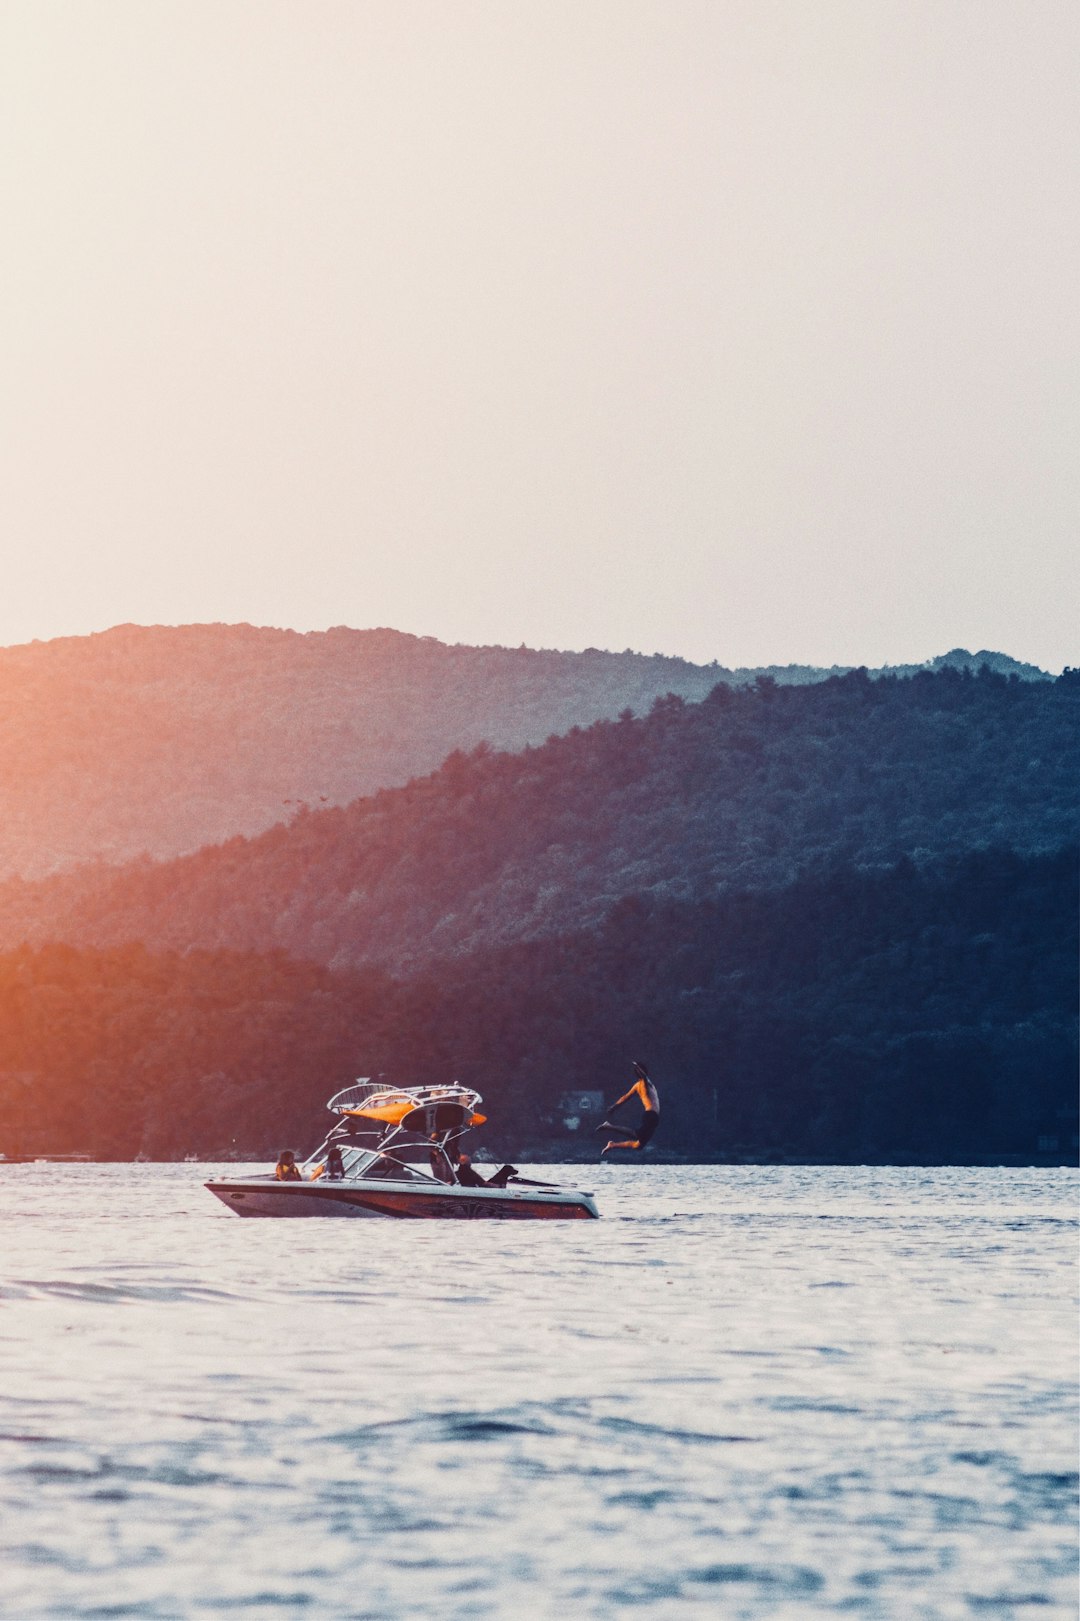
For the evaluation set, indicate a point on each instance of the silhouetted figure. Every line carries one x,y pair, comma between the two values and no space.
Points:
335,1165
649,1096
502,1176
468,1178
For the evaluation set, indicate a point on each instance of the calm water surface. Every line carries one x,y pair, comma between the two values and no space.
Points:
744,1393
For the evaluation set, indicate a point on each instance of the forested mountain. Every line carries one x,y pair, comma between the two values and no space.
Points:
161,740
838,920
748,789
906,1014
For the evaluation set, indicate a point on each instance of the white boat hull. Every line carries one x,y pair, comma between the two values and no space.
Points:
262,1196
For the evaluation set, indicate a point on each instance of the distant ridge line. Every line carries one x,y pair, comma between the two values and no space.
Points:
956,658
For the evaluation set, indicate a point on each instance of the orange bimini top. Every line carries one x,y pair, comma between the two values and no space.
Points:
391,1107
388,1107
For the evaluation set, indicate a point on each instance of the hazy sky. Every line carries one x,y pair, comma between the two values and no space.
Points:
744,331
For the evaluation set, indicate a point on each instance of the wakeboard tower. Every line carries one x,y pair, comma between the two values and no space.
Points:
389,1154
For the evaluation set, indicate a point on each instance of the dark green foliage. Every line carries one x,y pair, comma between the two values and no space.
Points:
749,789
913,1014
901,1014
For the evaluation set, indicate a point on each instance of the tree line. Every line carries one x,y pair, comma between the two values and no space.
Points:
912,1012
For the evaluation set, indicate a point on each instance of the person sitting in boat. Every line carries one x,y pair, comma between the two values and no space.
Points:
650,1098
335,1165
286,1169
468,1178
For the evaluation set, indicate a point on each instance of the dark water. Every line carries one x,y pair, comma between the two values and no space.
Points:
744,1393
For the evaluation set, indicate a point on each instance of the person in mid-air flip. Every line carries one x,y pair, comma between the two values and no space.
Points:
650,1098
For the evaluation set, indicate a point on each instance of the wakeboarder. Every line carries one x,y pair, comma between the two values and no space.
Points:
650,1098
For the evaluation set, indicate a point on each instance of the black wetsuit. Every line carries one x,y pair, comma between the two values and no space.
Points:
650,1119
649,1122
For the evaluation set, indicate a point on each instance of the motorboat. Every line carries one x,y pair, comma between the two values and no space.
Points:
393,1151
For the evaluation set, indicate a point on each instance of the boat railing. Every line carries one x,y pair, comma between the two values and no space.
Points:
351,1097
366,1094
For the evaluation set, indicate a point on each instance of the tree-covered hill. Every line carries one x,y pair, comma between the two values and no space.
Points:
905,1014
161,739
748,789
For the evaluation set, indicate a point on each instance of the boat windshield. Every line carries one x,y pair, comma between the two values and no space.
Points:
407,1163
394,1168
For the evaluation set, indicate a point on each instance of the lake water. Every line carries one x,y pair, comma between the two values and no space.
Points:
744,1393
